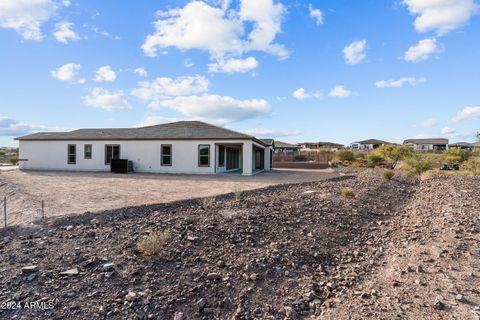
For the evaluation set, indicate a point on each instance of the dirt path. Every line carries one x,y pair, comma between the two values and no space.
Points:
75,192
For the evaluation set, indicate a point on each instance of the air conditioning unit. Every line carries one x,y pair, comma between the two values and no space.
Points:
121,166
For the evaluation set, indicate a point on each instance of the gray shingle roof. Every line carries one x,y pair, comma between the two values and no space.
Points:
181,130
440,141
268,142
280,144
373,141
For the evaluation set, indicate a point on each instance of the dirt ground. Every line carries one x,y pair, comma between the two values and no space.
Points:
76,192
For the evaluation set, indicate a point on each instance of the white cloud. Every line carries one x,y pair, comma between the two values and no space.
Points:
63,32
67,72
447,131
215,108
233,65
316,14
467,113
400,82
141,72
219,30
188,63
262,132
162,88
422,50
429,123
154,120
355,52
302,94
27,16
340,92
441,16
11,128
105,74
107,100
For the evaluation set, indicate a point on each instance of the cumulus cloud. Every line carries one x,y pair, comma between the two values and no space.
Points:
316,14
355,52
141,72
108,100
422,50
429,123
164,87
400,82
26,17
63,32
215,108
219,30
67,72
11,127
233,65
467,113
447,131
302,94
105,74
263,132
441,16
340,92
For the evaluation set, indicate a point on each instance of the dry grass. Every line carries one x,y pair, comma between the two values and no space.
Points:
388,174
208,202
348,193
154,242
237,191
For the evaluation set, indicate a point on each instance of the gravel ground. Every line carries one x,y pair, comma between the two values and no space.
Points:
400,249
77,192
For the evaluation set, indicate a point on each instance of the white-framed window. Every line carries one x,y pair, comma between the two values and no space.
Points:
72,154
166,155
203,155
87,151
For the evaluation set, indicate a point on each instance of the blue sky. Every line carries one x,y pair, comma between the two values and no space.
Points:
297,71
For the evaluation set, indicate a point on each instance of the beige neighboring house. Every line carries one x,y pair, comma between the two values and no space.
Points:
368,144
177,147
432,144
320,145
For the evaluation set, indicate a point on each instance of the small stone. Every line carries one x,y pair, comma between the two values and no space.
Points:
364,295
331,285
70,227
290,313
30,269
109,274
460,298
220,264
213,276
437,251
287,273
94,221
31,276
253,277
201,303
191,238
108,266
409,269
131,296
420,268
178,316
70,272
439,305
6,239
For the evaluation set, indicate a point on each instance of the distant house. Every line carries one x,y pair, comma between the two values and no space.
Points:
462,145
284,147
434,144
319,145
178,147
368,144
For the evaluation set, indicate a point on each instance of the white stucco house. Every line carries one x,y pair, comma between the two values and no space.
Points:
178,147
434,144
368,144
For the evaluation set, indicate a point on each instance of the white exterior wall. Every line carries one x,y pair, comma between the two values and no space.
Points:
145,155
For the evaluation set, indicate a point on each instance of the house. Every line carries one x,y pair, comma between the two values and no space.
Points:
178,147
462,145
434,144
320,145
368,144
284,147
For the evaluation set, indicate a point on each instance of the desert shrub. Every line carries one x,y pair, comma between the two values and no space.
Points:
418,164
374,159
237,191
208,202
388,174
154,242
328,153
394,153
472,166
345,155
14,160
456,155
348,193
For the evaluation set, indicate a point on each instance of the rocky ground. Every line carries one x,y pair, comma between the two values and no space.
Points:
403,249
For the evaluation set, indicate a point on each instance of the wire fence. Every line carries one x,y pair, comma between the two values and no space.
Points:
5,211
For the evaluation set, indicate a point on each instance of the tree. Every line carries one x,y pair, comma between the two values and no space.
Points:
14,160
456,155
374,159
394,153
418,164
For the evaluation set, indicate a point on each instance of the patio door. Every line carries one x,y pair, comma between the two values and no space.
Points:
233,159
259,159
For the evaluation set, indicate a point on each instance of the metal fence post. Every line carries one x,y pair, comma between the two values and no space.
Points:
43,210
5,210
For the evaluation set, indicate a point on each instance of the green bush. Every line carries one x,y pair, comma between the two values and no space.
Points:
154,242
388,174
348,193
394,153
345,155
456,155
418,164
374,159
327,152
14,160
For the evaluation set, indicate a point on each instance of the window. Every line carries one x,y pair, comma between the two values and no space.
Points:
203,155
112,151
221,156
72,153
88,151
166,155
